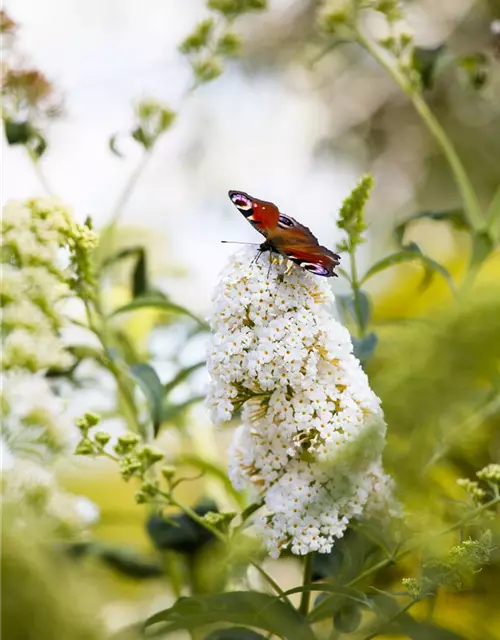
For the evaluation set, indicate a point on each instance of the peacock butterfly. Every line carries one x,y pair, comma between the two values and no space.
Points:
285,236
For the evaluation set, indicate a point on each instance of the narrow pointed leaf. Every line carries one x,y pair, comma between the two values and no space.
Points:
410,254
151,384
140,276
455,217
363,348
162,304
182,376
112,146
247,608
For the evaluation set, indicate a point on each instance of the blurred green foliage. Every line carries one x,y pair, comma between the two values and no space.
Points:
44,595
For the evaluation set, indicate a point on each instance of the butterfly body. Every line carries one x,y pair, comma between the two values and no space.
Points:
284,235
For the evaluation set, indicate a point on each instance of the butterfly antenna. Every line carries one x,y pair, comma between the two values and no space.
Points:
236,242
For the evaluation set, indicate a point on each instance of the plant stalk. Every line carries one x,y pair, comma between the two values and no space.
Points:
305,597
469,197
356,292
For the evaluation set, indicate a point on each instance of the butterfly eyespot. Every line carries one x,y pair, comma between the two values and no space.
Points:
241,201
314,268
285,222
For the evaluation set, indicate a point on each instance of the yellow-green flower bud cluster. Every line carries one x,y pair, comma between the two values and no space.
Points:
211,41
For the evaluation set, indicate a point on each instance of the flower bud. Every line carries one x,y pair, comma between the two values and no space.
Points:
149,455
102,438
84,448
168,472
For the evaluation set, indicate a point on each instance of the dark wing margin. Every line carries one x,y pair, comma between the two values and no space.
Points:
261,214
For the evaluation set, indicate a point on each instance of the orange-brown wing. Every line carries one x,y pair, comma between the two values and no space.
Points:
298,243
261,214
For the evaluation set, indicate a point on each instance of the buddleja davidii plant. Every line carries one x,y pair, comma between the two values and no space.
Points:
357,306
413,70
28,102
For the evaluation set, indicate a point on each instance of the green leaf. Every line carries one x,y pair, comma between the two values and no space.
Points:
248,608
335,598
183,374
482,246
37,143
326,565
347,304
332,604
363,348
425,62
122,254
421,630
129,563
151,384
494,216
17,132
235,633
162,304
112,145
455,217
140,276
347,618
180,533
140,136
126,561
409,254
476,67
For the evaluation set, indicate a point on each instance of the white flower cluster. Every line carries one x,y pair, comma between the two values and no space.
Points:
36,285
312,430
34,489
34,419
33,285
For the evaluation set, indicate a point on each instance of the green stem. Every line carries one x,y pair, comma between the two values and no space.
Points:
355,284
385,624
305,597
404,552
222,538
114,369
39,172
275,586
130,186
471,203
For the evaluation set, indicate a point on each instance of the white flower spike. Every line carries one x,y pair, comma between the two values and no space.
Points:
312,430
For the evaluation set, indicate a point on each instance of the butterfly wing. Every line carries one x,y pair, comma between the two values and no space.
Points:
298,243
262,215
285,235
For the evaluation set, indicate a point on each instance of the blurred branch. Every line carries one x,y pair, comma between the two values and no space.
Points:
130,186
416,545
114,369
471,202
39,172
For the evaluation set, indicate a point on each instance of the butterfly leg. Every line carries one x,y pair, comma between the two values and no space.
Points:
257,256
270,264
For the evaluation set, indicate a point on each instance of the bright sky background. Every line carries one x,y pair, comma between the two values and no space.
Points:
250,133
254,132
